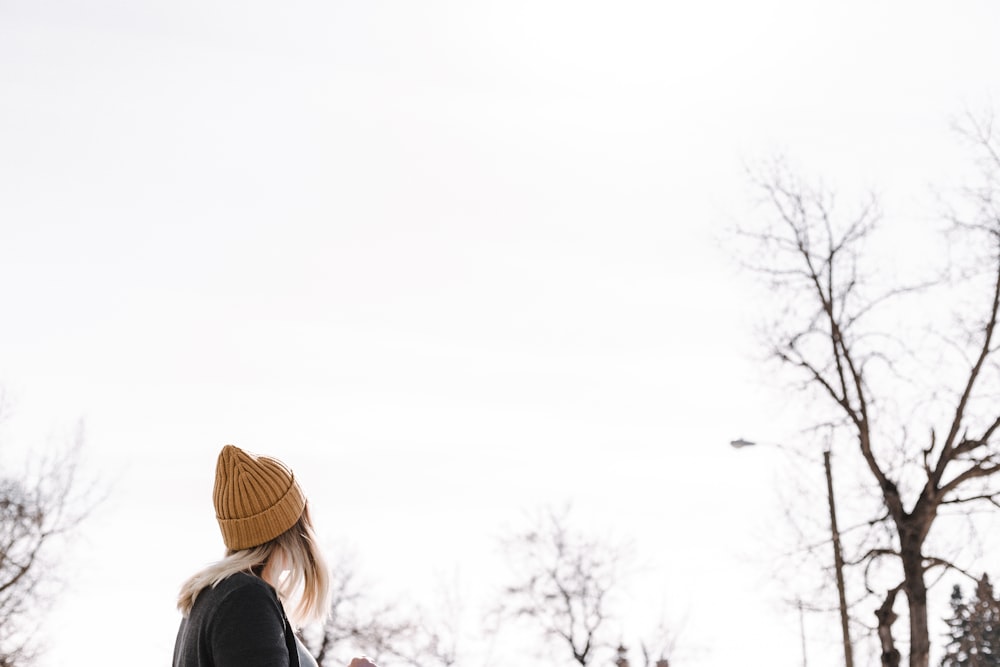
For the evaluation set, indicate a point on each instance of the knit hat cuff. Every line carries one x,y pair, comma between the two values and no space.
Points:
251,531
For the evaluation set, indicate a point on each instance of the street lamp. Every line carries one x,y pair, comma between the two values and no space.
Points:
838,557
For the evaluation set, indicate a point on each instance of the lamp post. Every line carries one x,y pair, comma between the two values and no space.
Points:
802,631
838,558
838,563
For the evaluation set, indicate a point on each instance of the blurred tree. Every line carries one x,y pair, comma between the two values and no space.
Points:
389,633
563,582
36,509
974,628
648,658
848,339
659,647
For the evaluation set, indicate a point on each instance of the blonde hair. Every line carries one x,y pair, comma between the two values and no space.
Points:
305,591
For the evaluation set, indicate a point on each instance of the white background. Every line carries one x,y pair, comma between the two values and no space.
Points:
452,261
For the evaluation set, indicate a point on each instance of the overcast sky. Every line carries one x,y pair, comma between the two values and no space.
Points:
450,260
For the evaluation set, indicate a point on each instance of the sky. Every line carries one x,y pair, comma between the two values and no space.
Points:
452,262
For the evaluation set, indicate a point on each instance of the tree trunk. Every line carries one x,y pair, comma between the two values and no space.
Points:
916,597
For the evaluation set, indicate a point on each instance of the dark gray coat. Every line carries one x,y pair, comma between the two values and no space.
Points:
239,623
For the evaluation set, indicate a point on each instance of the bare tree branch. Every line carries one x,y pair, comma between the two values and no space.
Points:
36,509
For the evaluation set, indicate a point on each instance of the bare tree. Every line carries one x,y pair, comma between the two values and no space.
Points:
563,582
391,633
36,510
838,330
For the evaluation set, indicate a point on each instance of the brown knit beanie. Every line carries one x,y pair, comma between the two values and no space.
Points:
256,498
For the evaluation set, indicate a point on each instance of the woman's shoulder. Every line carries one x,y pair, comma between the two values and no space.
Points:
240,618
241,597
243,579
237,589
245,584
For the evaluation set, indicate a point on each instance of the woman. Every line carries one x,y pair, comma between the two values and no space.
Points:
234,610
